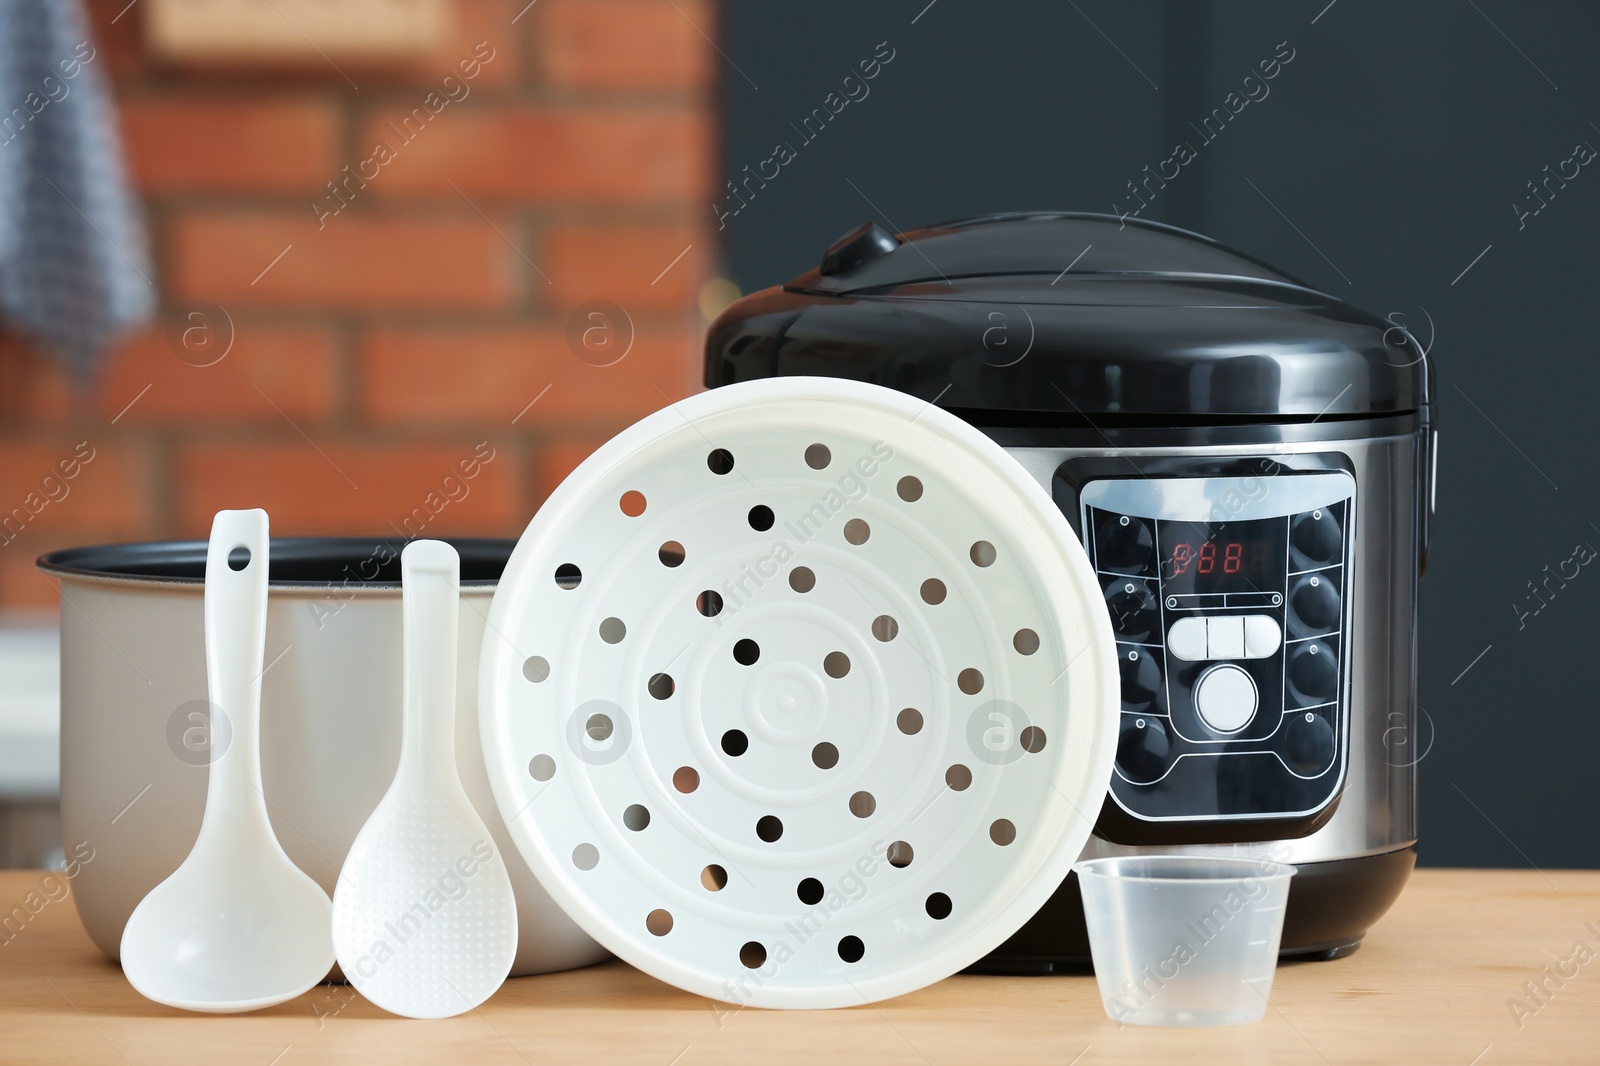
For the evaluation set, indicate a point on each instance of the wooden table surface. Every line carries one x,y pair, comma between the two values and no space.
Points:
1434,983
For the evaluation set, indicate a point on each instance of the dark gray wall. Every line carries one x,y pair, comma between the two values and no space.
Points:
1384,162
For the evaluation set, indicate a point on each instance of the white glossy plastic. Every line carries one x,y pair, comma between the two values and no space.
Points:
1187,638
1226,698
1225,637
799,693
424,920
238,926
1262,636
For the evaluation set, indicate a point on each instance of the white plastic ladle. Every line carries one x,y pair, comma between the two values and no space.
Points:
238,926
424,921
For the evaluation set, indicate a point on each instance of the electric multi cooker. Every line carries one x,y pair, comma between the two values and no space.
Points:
1249,463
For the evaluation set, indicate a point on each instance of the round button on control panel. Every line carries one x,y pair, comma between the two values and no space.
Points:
1141,679
1314,603
1316,536
1135,613
1308,743
1225,696
1143,749
1123,543
1314,672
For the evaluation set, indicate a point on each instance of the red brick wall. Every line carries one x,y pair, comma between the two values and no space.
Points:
419,320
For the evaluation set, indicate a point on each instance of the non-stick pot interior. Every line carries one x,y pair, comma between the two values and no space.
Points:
295,560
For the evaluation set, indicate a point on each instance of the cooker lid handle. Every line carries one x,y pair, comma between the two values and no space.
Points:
866,242
1033,246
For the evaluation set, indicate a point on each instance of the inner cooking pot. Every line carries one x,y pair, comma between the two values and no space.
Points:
138,733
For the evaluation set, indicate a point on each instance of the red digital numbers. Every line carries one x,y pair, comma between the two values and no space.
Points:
1205,560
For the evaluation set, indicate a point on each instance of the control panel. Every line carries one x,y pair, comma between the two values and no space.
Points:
1227,596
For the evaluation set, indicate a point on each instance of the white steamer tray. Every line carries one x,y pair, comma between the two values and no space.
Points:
799,693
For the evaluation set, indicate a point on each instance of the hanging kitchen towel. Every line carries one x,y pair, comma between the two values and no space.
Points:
74,270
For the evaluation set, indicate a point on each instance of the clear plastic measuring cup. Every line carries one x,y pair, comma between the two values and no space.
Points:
1184,940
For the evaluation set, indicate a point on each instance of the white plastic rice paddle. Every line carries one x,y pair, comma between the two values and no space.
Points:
424,921
799,693
238,926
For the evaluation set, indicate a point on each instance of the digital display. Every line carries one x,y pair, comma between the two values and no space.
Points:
1202,557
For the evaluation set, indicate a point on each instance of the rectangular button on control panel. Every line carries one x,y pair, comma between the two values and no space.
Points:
1225,637
1248,636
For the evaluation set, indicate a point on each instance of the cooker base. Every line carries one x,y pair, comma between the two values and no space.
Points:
1331,907
1322,952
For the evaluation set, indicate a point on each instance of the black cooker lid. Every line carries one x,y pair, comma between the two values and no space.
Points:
1070,317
